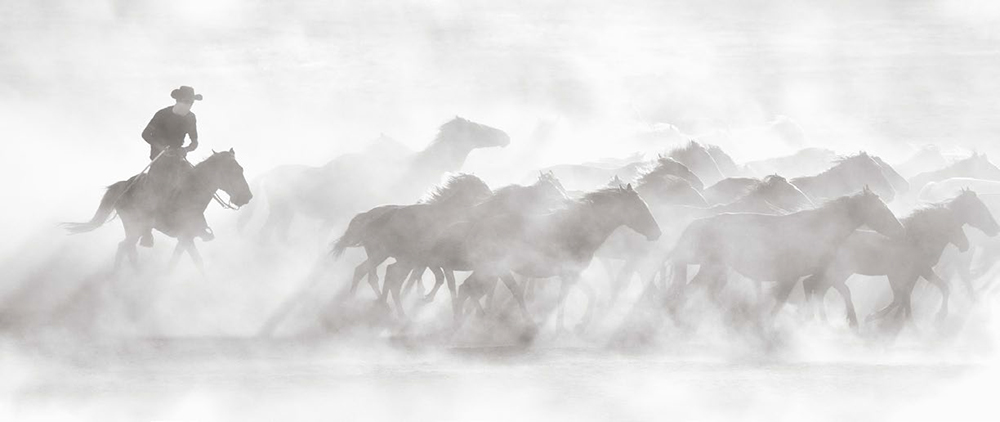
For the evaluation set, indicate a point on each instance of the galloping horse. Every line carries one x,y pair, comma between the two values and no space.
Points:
774,189
560,244
181,216
977,166
392,231
847,176
697,157
323,192
903,261
781,248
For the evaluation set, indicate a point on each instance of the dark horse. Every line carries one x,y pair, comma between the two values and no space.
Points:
181,216
781,248
561,243
399,230
903,261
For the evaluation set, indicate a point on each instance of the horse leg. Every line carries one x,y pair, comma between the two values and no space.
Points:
416,278
395,275
782,290
898,293
936,280
359,272
449,277
374,260
175,258
438,281
845,292
566,282
589,310
127,250
195,255
621,281
515,290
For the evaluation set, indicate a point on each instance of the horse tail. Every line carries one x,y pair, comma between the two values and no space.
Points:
108,202
352,237
246,213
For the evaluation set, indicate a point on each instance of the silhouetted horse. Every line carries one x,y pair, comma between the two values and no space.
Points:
394,231
726,164
560,244
774,189
985,252
903,261
330,193
543,196
848,175
179,215
699,160
976,166
645,258
781,248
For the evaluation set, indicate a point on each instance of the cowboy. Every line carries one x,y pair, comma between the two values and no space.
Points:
165,135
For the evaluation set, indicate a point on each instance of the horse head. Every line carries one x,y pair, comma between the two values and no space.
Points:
980,167
898,182
779,191
972,211
635,212
227,174
868,208
667,165
622,206
696,157
471,134
670,190
862,169
549,189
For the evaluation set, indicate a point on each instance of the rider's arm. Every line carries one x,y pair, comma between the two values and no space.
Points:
193,134
149,134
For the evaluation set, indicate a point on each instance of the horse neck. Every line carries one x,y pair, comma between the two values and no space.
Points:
198,187
930,230
443,155
586,225
826,184
835,217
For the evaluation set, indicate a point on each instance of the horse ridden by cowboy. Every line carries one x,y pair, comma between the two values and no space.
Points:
165,135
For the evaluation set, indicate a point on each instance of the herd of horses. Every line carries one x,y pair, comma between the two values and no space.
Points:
650,220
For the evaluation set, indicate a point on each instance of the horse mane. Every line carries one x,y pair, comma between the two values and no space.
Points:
664,166
690,146
843,161
445,128
600,195
927,219
663,181
455,184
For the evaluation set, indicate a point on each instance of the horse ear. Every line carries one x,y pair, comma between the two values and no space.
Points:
867,189
628,188
213,151
232,151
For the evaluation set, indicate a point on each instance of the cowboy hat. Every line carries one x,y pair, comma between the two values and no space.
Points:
185,93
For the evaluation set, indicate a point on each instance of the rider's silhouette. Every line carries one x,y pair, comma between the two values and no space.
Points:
165,133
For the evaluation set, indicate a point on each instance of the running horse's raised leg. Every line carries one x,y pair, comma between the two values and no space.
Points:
942,285
359,272
439,280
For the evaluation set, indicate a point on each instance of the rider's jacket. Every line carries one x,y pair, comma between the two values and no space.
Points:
167,129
